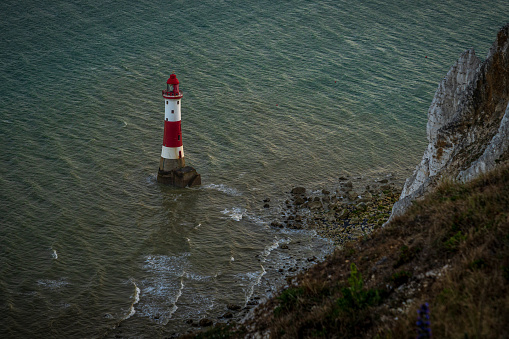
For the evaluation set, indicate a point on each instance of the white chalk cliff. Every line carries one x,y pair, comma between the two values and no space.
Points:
468,122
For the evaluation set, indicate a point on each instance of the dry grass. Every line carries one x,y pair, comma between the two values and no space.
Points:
451,250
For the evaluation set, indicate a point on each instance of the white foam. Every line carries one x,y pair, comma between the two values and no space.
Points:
225,189
275,244
54,254
254,279
235,213
136,298
179,294
196,277
52,284
232,259
162,287
257,219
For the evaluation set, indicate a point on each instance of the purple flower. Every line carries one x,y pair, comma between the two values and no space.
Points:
423,324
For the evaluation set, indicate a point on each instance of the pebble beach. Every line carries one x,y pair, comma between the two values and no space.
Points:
351,209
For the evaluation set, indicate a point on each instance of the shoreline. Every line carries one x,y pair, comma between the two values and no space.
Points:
342,213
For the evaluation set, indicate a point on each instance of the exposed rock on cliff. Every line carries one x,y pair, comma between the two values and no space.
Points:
468,122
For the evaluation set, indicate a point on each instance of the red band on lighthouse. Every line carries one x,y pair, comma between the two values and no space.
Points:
172,134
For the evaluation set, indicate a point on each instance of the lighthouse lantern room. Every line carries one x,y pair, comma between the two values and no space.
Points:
172,165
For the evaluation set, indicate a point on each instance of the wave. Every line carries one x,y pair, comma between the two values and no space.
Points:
136,298
254,279
52,284
196,277
225,189
163,285
235,213
179,294
275,244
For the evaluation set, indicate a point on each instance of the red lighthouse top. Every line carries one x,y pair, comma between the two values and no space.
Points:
173,80
172,88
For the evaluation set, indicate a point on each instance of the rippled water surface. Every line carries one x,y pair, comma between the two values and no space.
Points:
276,94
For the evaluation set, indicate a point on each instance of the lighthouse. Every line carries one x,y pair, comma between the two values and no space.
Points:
172,166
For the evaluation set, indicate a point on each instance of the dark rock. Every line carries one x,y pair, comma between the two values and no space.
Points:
352,195
227,315
342,178
384,181
234,307
284,247
298,218
315,205
266,206
348,184
299,201
206,322
252,302
266,200
275,224
180,177
189,321
316,199
298,190
325,192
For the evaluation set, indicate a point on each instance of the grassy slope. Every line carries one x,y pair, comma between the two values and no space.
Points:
451,250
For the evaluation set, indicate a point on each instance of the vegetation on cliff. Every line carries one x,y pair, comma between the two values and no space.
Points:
450,250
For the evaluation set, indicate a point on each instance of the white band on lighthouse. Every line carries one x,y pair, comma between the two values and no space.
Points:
172,152
172,110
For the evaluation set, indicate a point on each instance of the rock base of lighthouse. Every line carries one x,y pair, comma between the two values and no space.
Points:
166,165
180,177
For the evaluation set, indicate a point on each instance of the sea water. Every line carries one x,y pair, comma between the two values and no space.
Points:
277,94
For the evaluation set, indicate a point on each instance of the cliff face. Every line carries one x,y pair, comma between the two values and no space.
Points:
468,122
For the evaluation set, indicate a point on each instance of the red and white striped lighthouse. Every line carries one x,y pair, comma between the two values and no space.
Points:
172,166
172,154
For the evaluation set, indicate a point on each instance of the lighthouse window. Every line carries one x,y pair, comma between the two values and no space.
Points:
177,102
178,137
173,111
166,102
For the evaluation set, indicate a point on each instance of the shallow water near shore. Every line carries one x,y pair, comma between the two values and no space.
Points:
276,95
